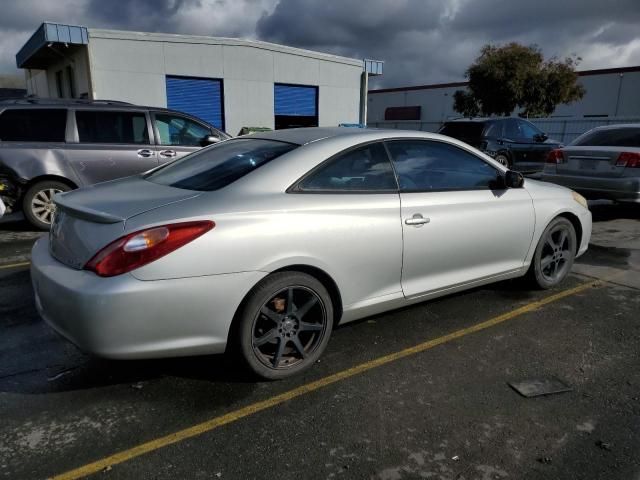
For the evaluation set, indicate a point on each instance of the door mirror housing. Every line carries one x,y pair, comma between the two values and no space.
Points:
513,179
209,140
540,137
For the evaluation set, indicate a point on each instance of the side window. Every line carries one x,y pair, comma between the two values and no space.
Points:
527,130
361,169
177,130
112,127
511,130
424,166
493,130
33,125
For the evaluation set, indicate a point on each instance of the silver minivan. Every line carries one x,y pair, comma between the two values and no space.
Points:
52,146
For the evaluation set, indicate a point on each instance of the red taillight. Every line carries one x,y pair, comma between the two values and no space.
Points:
555,156
628,160
144,246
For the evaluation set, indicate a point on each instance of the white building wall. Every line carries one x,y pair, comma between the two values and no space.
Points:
607,94
132,67
42,83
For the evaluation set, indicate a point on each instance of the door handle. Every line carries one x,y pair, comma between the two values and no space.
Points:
145,153
417,220
168,153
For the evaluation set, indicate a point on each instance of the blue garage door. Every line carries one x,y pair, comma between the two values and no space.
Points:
295,106
200,97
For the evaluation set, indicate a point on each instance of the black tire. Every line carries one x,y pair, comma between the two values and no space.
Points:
504,159
554,255
259,336
39,196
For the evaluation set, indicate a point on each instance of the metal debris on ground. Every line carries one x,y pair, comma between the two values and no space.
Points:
603,445
60,374
535,387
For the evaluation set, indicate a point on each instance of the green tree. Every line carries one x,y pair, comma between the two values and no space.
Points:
503,79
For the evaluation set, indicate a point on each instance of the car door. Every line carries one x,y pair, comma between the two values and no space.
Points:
352,203
458,224
178,135
110,144
538,149
513,141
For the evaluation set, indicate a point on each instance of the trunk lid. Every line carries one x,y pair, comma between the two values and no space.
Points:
592,161
88,219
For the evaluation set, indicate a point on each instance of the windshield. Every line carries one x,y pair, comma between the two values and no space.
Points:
220,165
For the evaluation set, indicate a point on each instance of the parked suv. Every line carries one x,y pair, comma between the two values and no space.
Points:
514,142
51,146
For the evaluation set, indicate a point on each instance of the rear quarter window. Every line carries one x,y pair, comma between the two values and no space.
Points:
618,137
33,125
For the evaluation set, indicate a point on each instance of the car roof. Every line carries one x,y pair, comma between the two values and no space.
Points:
472,120
302,136
36,103
619,125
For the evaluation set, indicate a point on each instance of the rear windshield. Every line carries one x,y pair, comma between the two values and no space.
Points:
463,129
610,137
217,166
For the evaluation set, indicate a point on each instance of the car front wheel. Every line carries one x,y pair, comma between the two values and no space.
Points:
284,325
554,255
38,206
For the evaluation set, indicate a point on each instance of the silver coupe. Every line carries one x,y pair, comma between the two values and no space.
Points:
259,246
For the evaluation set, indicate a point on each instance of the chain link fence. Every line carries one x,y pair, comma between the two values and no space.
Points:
562,129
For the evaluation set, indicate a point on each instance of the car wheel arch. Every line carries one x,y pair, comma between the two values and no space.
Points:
323,277
577,226
48,178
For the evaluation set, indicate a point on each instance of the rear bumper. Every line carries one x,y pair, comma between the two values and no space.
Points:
624,189
125,318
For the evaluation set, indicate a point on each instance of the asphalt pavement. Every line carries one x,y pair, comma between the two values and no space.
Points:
422,392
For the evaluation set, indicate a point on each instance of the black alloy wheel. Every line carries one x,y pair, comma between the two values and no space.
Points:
285,325
554,254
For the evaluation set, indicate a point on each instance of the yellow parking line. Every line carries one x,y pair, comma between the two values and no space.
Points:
254,408
15,265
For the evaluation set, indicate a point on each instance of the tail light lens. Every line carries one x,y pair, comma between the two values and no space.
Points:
145,246
555,156
628,160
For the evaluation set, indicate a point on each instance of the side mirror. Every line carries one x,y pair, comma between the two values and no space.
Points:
540,137
513,179
209,140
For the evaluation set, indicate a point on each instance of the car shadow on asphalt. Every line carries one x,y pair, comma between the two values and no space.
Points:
602,212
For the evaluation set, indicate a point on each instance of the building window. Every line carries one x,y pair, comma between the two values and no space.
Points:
59,84
71,81
402,113
295,106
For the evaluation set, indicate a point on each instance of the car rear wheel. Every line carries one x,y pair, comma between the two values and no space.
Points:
503,159
554,255
284,325
38,206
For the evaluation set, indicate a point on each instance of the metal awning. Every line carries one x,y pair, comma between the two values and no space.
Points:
49,43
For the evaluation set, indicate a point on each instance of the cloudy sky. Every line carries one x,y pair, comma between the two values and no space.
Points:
421,41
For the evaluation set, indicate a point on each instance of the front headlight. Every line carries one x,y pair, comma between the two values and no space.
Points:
580,199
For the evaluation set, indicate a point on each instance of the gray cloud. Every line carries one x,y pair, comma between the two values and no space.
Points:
422,41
